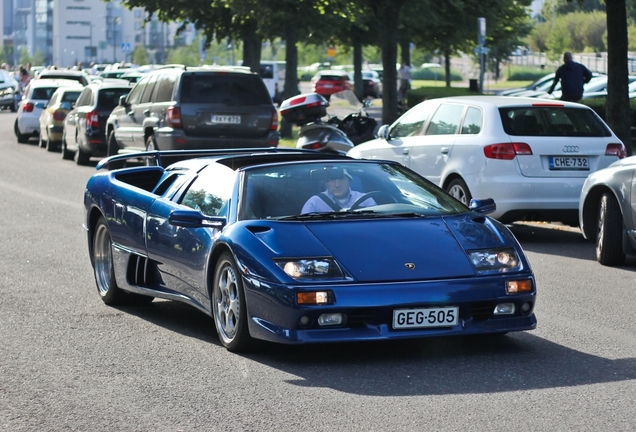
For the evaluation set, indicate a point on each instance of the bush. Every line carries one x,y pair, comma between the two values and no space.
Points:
598,105
434,73
526,74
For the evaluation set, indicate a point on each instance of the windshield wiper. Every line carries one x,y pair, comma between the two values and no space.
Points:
334,215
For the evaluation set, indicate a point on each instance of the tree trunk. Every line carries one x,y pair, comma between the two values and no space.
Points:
405,55
447,67
357,67
252,45
617,110
291,73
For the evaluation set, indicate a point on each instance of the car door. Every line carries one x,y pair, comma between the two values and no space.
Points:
430,153
404,134
182,253
141,112
71,123
126,121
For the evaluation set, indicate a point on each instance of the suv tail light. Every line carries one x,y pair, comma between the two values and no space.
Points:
274,125
59,115
507,151
173,117
92,119
617,150
28,107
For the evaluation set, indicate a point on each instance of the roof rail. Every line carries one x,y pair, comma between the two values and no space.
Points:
171,66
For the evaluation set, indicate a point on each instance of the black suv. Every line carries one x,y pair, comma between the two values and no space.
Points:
177,107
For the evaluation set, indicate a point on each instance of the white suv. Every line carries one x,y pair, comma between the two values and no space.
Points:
530,155
36,96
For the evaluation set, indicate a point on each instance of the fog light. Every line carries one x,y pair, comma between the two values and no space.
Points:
314,297
518,286
330,319
304,321
526,307
504,309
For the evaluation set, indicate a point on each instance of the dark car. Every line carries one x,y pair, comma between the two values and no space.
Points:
9,89
85,126
371,84
240,235
179,108
328,82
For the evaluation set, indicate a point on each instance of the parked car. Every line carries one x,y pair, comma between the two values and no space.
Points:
73,75
37,95
330,81
85,126
532,156
602,93
607,211
54,113
132,76
225,233
115,73
177,108
371,84
9,87
541,91
547,79
273,74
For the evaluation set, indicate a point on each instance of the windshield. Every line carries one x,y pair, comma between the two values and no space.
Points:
343,103
342,189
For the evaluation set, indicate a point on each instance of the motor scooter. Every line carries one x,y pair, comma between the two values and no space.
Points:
348,122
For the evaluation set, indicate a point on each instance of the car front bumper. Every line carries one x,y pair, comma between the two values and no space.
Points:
368,310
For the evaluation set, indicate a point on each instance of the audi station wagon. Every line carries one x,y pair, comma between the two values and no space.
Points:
531,156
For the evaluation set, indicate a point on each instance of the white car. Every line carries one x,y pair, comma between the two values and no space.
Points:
532,156
37,95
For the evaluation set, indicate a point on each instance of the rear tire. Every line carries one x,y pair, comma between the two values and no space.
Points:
458,189
22,138
66,154
609,236
81,157
52,146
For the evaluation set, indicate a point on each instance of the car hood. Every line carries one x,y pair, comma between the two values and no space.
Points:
400,249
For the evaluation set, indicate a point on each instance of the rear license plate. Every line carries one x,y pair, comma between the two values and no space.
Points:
422,318
225,119
569,163
327,85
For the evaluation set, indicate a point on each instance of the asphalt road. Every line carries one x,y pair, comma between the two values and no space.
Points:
69,362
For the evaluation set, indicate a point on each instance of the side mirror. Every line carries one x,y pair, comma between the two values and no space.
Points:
122,100
195,219
66,105
484,206
383,132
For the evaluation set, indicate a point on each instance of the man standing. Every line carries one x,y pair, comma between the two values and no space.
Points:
572,75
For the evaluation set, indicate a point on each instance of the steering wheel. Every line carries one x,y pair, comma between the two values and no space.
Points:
366,196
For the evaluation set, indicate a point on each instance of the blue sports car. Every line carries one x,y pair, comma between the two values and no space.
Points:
295,246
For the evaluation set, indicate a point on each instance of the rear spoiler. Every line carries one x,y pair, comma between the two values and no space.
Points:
165,158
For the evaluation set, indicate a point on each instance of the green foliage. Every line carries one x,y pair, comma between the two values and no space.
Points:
424,93
525,73
537,41
577,32
598,105
140,56
435,74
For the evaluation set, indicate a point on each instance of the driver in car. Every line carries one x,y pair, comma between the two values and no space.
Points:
338,196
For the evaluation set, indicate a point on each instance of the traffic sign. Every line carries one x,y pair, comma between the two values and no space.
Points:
125,47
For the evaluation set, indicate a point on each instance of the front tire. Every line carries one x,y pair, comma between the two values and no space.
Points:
609,236
81,157
66,154
458,189
228,306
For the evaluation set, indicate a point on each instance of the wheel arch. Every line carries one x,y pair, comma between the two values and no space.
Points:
589,210
213,259
93,216
450,177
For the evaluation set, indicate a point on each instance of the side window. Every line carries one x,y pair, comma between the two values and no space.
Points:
472,121
84,97
211,191
446,120
148,90
412,122
53,99
135,94
164,87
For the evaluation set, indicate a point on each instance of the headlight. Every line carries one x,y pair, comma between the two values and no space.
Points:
494,260
312,268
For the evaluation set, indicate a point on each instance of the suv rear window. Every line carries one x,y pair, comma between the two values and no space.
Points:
79,79
43,93
109,98
552,121
224,89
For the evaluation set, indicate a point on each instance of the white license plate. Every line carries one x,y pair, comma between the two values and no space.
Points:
225,119
421,318
569,163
